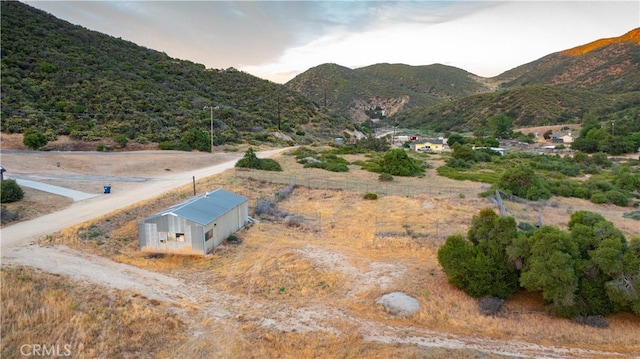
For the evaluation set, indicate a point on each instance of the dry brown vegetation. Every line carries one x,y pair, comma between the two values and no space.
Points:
43,309
320,278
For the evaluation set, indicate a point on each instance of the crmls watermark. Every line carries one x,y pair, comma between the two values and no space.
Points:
44,350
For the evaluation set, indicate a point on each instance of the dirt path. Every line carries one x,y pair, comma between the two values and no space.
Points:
19,246
274,315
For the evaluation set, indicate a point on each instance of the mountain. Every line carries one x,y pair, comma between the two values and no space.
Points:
605,66
392,87
63,79
600,79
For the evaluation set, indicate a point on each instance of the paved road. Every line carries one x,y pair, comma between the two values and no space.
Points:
61,191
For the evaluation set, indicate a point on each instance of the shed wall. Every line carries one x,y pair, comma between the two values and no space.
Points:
155,233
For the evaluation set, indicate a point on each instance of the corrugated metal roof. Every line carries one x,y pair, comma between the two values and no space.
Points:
205,208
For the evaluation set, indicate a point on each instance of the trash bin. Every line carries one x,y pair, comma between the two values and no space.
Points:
107,189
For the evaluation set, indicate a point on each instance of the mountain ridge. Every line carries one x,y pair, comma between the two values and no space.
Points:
595,71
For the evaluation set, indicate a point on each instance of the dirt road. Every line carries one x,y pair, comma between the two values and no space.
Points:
25,232
18,247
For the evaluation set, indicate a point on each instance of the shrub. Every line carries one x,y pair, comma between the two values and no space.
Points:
617,197
522,181
632,215
250,160
599,198
268,164
385,177
11,191
580,191
121,140
396,162
34,139
370,196
458,163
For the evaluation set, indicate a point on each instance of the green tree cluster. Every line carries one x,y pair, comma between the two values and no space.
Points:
396,162
524,182
611,139
478,264
590,270
251,160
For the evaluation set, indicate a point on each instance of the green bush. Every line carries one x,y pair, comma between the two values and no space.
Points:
599,198
396,162
121,140
590,270
385,177
11,191
458,163
618,198
370,196
250,160
34,139
479,264
523,182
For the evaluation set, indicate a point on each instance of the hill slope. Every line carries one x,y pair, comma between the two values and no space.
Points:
601,79
65,79
392,87
604,66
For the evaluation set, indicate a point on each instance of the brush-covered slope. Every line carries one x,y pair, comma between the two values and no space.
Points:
64,79
389,87
601,79
609,65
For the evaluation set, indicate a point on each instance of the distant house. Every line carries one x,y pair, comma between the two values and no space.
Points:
561,137
429,145
195,226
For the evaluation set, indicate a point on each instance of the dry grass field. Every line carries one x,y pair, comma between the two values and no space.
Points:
305,288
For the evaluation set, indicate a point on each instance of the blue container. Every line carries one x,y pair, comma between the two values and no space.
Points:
107,189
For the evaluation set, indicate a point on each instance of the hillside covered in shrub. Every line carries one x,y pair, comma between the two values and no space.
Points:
62,79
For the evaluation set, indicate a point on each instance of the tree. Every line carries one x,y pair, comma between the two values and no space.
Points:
585,145
522,181
34,139
11,191
479,265
590,270
396,162
501,126
463,152
197,139
550,269
455,138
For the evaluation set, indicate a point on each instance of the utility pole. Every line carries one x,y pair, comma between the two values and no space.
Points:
278,110
211,108
613,125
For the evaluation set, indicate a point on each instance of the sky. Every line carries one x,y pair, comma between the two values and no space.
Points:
277,40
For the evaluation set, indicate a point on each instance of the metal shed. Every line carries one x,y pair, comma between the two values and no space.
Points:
195,226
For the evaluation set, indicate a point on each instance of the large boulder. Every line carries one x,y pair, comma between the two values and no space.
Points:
398,303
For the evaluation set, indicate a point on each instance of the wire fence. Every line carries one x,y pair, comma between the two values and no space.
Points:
438,229
359,186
